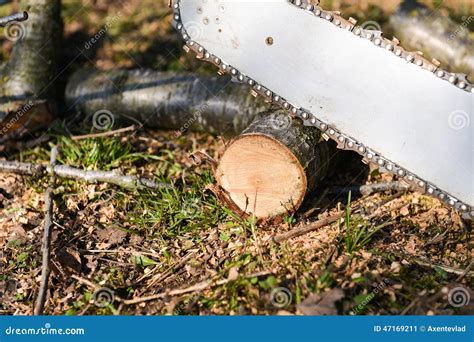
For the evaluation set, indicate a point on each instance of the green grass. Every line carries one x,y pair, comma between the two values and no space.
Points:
173,211
358,231
93,154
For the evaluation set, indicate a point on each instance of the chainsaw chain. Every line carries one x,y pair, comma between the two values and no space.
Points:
343,141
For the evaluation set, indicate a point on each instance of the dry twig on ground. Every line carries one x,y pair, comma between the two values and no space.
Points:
89,176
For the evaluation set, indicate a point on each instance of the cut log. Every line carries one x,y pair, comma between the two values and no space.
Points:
420,28
269,168
167,100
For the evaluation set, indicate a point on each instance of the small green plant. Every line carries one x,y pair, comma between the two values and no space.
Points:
358,233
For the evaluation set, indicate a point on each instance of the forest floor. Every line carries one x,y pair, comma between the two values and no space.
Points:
390,253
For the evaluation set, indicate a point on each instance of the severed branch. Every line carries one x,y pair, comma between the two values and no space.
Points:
177,101
64,171
435,34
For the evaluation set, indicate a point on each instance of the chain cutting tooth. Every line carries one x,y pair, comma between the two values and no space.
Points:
344,142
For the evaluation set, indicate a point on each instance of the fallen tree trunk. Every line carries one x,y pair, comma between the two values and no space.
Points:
27,87
164,100
269,168
420,28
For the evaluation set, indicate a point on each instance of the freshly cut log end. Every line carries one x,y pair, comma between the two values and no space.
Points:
269,168
262,176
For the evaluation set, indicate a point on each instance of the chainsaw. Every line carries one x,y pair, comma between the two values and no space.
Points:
394,107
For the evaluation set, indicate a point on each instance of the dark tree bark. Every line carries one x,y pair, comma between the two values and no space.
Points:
165,100
269,168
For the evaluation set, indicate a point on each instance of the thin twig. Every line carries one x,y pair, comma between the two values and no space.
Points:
169,293
308,228
330,220
46,245
466,271
195,288
45,270
168,272
89,176
105,134
447,269
370,189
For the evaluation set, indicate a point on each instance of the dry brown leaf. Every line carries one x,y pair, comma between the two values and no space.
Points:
70,259
111,235
317,304
233,273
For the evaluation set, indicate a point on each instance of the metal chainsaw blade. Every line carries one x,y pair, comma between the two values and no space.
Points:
392,106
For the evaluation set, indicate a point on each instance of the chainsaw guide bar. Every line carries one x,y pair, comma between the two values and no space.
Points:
394,107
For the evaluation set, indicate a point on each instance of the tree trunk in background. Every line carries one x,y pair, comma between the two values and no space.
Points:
28,80
269,168
165,100
420,28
